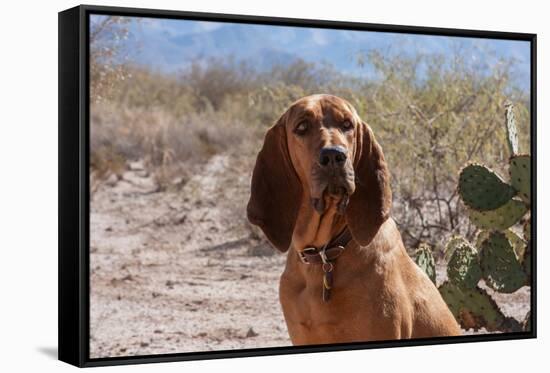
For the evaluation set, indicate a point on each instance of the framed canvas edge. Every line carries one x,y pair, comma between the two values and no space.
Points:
74,201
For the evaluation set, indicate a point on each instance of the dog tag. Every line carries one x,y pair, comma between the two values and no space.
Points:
327,285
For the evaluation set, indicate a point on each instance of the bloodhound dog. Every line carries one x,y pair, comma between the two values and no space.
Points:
321,192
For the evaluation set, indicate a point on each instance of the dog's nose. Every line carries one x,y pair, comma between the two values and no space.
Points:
332,155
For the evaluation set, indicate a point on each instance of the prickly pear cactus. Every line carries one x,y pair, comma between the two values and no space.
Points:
425,260
482,189
464,269
501,218
520,176
500,255
472,307
526,257
501,268
511,130
451,246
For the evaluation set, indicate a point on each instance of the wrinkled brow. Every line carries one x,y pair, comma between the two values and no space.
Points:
301,113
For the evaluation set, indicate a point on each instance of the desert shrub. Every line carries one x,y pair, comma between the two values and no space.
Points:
159,138
107,55
432,114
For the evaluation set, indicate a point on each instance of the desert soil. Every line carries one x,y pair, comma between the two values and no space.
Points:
177,271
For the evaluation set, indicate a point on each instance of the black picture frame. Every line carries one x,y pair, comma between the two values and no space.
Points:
74,188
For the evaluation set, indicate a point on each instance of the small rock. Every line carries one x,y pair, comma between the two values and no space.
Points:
112,180
136,166
251,333
178,181
181,219
143,344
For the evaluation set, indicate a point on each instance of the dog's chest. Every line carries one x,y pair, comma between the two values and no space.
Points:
311,320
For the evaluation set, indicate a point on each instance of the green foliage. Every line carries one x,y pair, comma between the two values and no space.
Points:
425,260
502,258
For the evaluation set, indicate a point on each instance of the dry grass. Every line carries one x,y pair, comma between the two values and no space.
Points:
428,128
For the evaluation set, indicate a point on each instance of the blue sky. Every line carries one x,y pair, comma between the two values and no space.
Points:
169,45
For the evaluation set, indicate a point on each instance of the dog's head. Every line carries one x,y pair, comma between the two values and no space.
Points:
320,153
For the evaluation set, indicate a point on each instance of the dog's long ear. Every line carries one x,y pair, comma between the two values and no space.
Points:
369,206
276,191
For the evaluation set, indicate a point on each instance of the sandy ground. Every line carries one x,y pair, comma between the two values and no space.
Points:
177,271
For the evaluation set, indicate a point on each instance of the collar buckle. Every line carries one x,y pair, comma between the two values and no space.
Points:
302,254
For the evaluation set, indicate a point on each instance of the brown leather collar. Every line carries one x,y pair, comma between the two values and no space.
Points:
325,257
312,255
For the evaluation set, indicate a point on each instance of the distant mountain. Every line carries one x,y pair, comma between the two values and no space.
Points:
169,45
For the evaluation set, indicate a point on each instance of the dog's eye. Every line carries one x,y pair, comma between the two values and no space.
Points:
347,125
301,128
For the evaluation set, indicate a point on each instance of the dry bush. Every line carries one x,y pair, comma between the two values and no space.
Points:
107,54
431,114
170,146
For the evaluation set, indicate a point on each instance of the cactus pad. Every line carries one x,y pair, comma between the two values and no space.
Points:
526,262
451,246
501,218
517,243
482,189
472,308
527,230
511,131
481,236
520,175
425,260
501,269
464,269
